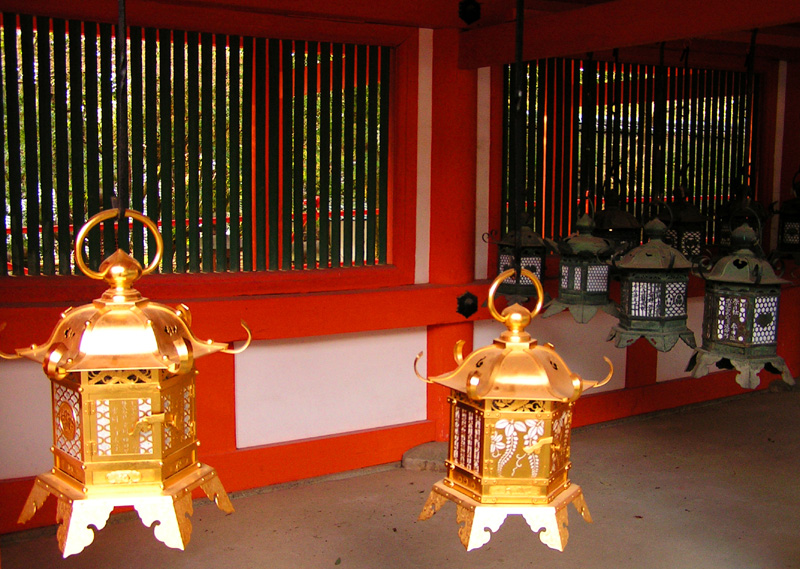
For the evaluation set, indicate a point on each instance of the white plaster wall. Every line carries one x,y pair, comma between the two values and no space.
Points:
424,143
672,364
482,173
582,346
310,387
26,434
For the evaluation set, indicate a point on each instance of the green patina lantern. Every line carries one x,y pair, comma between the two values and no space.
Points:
687,229
740,320
655,279
584,272
789,224
533,253
616,224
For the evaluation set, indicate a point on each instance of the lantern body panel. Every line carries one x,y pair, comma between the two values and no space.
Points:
654,301
583,281
69,418
531,260
490,440
741,320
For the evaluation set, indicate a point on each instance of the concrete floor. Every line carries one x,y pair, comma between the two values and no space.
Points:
712,486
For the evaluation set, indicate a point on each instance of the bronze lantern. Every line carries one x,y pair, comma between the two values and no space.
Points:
585,267
123,403
510,424
789,225
533,257
740,320
655,280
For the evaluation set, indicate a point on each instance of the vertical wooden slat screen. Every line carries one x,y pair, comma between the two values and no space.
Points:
234,128
165,130
31,154
3,223
179,122
137,140
107,144
13,142
594,126
46,149
193,147
249,153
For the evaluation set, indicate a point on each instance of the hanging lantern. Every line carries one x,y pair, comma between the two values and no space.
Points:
616,224
533,256
742,210
789,224
585,267
687,226
655,278
123,401
740,321
510,420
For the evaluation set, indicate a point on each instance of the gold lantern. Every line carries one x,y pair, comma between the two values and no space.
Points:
510,422
123,402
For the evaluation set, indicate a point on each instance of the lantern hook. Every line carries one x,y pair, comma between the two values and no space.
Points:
500,278
109,214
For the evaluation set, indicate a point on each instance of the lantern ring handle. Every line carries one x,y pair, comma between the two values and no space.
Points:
109,214
503,276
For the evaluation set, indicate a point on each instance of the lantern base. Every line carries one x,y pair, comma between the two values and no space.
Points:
485,519
661,341
581,313
747,368
170,507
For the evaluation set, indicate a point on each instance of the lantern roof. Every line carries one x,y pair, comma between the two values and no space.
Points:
529,238
745,265
655,254
583,243
515,366
122,329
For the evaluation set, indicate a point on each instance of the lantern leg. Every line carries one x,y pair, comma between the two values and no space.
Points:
212,486
432,505
39,493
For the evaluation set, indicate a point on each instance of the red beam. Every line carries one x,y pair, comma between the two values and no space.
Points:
622,23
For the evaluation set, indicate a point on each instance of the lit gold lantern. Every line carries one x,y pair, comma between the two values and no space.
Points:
510,423
123,401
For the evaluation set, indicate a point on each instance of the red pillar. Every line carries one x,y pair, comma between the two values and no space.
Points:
452,209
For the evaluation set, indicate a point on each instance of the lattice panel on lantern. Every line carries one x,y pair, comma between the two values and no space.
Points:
765,323
791,233
67,418
467,438
691,244
103,422
732,318
561,441
145,435
675,300
644,300
577,278
533,264
166,403
564,276
597,278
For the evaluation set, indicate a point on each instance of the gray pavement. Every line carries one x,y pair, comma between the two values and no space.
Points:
706,487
